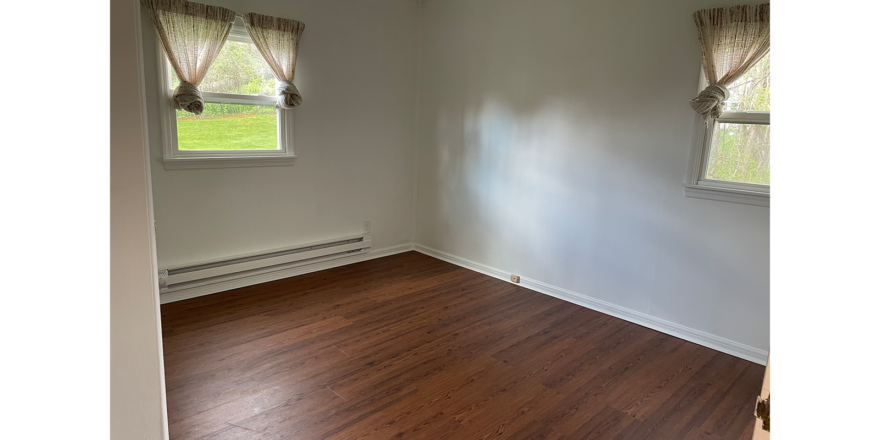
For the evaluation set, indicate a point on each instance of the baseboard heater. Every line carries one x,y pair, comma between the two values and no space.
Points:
188,276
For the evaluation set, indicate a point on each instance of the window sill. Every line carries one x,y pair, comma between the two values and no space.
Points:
185,163
727,195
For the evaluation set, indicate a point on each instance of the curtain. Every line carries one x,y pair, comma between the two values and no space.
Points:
278,40
192,35
733,40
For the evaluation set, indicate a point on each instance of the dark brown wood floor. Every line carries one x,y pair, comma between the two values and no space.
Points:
411,347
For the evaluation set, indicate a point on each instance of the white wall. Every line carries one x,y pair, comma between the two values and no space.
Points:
553,141
137,383
354,136
550,139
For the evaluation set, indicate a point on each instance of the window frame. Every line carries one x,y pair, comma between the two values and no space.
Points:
174,158
698,185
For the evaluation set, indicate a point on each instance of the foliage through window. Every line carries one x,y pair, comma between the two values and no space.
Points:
240,70
739,148
240,119
730,160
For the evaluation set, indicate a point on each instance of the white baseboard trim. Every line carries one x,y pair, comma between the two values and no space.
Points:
234,282
723,345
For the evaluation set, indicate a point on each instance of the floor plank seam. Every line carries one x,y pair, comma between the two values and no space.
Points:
334,392
343,351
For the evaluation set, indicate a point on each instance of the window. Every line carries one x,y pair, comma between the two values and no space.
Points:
240,125
731,156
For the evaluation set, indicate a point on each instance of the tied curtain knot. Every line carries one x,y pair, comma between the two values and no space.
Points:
187,97
710,102
288,95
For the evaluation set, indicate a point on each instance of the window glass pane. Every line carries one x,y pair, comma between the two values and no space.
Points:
752,91
740,153
238,69
228,127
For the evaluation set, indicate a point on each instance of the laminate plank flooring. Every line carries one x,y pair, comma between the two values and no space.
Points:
411,347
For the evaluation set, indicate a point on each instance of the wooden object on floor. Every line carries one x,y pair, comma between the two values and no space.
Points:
760,433
412,347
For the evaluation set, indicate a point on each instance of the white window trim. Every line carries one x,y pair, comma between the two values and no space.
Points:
698,186
174,159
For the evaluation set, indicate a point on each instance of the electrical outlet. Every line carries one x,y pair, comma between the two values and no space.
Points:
366,226
514,278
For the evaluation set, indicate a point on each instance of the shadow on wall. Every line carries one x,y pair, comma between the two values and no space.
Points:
579,194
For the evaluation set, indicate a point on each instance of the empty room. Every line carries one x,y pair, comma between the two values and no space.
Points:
456,219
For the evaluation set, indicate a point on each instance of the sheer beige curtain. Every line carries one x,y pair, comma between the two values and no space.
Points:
733,40
278,40
192,35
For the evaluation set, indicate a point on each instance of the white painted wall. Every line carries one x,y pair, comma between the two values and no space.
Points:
550,139
137,381
354,136
553,139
